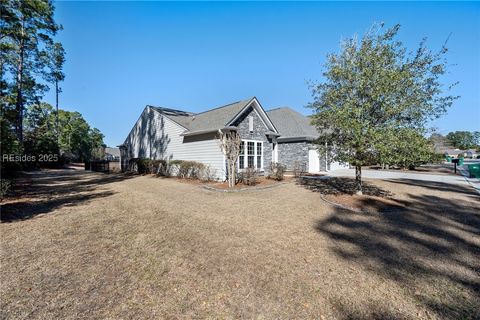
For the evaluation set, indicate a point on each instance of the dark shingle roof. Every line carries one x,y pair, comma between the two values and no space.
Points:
113,151
287,121
213,119
291,123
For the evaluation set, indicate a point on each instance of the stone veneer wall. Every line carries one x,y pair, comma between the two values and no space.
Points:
290,152
259,133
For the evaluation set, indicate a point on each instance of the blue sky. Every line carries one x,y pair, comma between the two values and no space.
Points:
122,56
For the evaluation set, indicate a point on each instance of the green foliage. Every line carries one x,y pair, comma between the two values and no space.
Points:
77,138
373,91
29,56
39,130
277,171
464,139
405,148
6,186
30,61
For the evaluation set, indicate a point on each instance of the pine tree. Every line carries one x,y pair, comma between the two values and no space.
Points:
27,31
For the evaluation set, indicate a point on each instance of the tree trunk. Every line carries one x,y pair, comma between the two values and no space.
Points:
19,102
233,174
358,179
56,107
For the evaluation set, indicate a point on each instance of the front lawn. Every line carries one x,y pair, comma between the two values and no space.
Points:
85,245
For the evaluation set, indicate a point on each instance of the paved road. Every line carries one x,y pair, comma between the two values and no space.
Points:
387,175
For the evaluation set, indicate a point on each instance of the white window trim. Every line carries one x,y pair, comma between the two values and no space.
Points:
245,155
274,152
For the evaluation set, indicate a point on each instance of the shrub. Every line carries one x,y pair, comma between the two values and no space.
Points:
165,169
174,167
190,169
208,174
277,171
180,168
147,165
184,169
6,185
197,170
298,169
249,176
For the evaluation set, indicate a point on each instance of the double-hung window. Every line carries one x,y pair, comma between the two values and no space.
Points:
251,154
241,157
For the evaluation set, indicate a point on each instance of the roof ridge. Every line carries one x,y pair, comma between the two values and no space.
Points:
278,108
291,109
224,106
160,109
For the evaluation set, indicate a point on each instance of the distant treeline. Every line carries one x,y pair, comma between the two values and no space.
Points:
31,63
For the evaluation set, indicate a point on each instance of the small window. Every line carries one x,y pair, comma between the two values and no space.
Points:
250,123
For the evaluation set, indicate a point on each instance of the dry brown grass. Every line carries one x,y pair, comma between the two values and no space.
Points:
107,247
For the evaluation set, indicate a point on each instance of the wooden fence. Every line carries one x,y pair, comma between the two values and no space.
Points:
104,166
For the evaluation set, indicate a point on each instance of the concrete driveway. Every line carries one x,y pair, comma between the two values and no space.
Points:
432,177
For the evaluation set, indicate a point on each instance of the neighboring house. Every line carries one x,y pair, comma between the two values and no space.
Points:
279,135
470,153
453,152
112,154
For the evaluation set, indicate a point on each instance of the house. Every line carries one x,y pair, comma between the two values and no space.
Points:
454,153
112,154
470,153
279,135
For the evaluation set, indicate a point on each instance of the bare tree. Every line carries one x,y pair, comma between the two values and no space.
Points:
230,145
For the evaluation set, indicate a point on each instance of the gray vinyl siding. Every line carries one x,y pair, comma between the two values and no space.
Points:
155,136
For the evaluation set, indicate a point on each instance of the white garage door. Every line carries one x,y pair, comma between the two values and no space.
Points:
313,161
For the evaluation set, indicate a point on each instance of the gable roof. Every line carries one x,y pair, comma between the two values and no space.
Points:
285,122
217,118
213,119
292,124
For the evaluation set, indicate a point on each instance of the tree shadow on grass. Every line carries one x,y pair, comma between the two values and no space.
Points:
41,192
437,186
431,249
340,185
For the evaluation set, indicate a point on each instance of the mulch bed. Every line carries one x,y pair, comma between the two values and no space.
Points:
342,192
262,183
